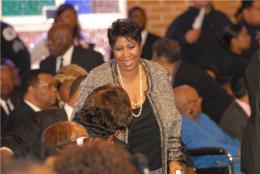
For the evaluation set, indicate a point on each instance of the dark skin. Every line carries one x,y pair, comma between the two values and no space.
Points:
60,39
139,17
187,101
7,84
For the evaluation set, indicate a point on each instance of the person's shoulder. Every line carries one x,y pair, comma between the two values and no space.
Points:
153,36
101,69
154,67
221,16
203,116
47,60
87,50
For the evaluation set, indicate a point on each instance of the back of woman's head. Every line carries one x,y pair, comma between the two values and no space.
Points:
124,28
98,123
63,133
95,157
113,100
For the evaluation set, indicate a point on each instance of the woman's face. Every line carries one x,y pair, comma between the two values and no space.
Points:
68,17
127,53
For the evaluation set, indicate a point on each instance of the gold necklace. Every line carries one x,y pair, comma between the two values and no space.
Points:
140,90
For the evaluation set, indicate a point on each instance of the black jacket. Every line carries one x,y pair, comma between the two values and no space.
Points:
148,44
206,50
250,151
30,130
21,113
86,58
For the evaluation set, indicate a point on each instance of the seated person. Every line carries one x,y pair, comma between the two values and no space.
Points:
63,134
63,52
215,102
95,157
64,80
240,117
65,13
199,131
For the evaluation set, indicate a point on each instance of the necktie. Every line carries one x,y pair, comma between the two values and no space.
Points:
8,107
61,62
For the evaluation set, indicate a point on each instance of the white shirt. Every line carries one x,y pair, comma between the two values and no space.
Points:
144,36
4,105
67,56
244,106
34,107
69,110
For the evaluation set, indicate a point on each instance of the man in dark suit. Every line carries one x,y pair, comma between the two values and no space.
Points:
250,153
138,15
39,93
215,101
198,31
63,52
30,131
7,87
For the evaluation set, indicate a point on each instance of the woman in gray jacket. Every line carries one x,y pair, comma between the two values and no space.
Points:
155,129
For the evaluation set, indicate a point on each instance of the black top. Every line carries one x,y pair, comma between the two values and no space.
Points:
144,136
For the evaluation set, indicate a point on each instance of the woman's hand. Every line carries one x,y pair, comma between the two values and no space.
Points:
175,166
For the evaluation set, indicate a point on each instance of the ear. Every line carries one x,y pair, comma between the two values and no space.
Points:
31,89
233,42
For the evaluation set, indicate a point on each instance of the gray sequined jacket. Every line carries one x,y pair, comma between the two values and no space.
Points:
160,96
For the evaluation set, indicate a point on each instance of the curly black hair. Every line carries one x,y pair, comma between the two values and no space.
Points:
98,122
124,28
114,101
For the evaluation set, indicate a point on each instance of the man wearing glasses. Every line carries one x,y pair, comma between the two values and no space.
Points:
39,93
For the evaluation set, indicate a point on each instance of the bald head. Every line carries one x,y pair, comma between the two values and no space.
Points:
187,100
60,39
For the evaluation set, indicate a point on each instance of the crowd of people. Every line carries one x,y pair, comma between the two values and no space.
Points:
144,110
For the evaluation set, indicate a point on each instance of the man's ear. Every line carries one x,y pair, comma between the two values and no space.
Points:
233,42
31,89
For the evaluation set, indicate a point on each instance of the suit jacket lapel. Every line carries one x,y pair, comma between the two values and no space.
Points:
75,57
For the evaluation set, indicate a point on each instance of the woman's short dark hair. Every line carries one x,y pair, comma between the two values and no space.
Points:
230,32
99,123
113,100
168,48
124,28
